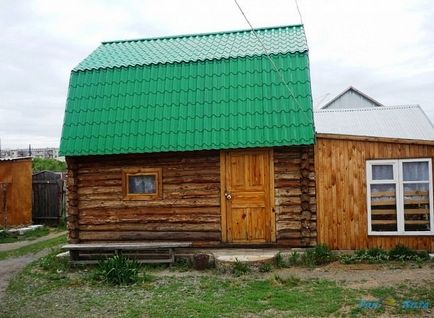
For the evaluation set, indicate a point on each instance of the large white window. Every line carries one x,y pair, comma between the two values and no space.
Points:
400,197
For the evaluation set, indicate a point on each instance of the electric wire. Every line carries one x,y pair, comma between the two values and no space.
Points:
267,53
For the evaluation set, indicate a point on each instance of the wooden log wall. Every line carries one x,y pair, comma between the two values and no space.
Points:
341,191
72,201
295,199
190,207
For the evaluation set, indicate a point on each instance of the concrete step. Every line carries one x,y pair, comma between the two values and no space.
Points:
225,259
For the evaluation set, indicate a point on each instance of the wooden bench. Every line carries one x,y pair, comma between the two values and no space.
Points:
146,253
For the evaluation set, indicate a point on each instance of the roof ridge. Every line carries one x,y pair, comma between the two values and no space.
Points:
382,108
203,34
351,88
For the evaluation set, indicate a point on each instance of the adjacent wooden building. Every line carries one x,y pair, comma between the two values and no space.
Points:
374,178
197,139
15,192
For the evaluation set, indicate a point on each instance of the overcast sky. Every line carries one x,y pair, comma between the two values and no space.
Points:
383,48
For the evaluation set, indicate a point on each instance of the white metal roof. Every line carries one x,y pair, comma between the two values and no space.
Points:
404,122
351,98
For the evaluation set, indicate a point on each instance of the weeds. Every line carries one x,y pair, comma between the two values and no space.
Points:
378,255
371,256
240,268
294,259
403,253
319,255
265,267
118,270
280,262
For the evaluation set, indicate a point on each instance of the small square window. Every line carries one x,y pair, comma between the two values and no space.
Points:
141,184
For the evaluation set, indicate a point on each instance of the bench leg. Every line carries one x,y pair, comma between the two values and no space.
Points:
172,255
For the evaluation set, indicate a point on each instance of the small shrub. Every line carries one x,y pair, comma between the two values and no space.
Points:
280,262
294,259
240,268
404,253
265,268
118,270
319,255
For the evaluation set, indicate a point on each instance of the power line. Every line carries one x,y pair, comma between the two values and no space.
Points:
299,13
282,79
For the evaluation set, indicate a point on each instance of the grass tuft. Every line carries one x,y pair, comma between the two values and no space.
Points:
118,270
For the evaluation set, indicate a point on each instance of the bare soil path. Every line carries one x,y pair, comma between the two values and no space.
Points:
12,266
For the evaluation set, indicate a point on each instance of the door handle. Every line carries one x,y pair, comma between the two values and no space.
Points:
228,196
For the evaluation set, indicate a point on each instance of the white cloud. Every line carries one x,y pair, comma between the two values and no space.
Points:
384,48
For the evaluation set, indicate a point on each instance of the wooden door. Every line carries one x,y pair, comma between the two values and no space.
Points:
247,196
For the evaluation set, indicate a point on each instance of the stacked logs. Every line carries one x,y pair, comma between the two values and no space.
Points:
307,197
72,201
295,200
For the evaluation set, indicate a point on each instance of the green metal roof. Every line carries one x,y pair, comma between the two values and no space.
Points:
196,47
212,91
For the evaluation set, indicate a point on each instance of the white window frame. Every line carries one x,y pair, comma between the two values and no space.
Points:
399,184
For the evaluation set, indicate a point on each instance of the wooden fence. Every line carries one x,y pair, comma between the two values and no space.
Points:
48,198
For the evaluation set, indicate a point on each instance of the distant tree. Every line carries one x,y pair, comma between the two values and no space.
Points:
41,164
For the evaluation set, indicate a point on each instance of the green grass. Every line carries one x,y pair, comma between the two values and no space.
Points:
45,285
41,288
6,237
33,248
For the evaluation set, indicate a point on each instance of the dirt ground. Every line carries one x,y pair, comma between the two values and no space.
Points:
12,266
367,275
364,276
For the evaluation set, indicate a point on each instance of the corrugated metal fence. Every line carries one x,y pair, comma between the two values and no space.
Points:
48,198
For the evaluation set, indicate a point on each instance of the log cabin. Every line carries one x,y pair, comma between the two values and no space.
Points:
374,177
204,138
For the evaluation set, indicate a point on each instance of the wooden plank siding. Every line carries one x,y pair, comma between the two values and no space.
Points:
189,209
16,176
340,165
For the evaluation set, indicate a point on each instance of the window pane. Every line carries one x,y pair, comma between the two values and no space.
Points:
383,208
415,171
416,207
382,172
142,184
